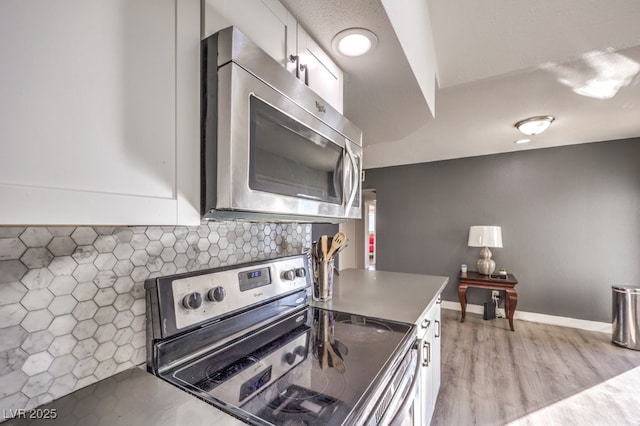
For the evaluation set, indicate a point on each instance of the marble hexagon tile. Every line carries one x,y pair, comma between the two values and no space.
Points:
72,307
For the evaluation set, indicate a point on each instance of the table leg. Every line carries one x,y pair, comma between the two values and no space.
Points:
506,304
511,303
462,290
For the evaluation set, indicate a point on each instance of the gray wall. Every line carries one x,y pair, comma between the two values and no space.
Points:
570,220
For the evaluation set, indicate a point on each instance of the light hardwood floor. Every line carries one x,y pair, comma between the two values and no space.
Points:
537,375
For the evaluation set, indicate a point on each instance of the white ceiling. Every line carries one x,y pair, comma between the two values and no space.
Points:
498,61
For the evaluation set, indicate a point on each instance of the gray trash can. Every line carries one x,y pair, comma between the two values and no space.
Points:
626,316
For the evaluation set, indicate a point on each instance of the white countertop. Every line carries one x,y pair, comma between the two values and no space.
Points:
387,295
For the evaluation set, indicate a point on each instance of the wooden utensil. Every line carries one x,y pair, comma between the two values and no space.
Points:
337,362
338,240
323,247
324,362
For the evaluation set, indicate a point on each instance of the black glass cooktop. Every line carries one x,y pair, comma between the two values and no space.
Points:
315,367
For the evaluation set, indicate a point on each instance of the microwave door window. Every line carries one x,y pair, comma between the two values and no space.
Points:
288,158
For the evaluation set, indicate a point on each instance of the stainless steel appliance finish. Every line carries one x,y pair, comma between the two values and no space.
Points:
204,297
279,360
397,406
271,148
626,316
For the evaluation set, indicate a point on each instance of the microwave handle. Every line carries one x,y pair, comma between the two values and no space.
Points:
338,174
354,178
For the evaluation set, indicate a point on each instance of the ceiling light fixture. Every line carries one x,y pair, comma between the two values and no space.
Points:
522,141
354,42
534,125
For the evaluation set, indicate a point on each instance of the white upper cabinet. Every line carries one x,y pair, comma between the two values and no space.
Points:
100,111
318,71
264,22
268,24
88,107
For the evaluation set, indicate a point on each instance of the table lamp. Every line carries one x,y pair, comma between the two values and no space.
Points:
485,237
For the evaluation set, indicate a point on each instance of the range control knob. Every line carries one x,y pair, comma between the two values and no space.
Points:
300,351
217,294
289,275
192,300
290,358
301,272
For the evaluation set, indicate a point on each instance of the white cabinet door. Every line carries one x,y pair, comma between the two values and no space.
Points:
435,353
426,376
429,332
88,112
290,28
263,21
322,75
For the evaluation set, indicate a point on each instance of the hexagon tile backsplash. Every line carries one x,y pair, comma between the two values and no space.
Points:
72,308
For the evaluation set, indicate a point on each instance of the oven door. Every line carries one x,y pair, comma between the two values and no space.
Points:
405,407
399,405
275,157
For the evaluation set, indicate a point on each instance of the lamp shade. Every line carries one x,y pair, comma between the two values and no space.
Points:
485,236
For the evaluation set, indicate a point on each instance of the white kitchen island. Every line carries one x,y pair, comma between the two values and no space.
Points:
409,298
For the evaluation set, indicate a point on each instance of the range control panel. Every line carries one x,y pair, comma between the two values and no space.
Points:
204,297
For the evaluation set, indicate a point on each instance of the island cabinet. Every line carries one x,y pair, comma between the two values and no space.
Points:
429,342
270,26
99,112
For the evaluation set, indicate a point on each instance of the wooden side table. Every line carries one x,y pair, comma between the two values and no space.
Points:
474,279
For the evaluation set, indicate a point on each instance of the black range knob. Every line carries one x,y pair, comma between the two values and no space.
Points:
217,294
300,351
301,272
290,358
192,300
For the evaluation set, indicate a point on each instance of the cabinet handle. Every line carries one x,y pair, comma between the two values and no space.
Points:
425,354
296,59
426,323
438,325
305,68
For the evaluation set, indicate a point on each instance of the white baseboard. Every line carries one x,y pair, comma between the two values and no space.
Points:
601,327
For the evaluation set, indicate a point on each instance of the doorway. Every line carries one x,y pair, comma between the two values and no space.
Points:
371,240
359,253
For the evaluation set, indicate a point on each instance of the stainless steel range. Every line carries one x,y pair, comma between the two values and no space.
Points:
245,339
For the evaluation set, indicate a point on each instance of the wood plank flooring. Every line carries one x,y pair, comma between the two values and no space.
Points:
537,375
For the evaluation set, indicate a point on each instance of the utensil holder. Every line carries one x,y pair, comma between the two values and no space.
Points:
323,280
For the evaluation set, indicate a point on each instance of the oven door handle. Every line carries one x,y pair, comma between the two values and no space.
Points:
404,397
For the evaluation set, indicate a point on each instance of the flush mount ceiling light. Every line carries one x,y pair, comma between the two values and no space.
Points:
534,125
522,141
354,42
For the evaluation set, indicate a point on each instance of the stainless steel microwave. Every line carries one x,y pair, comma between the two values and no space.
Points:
272,149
